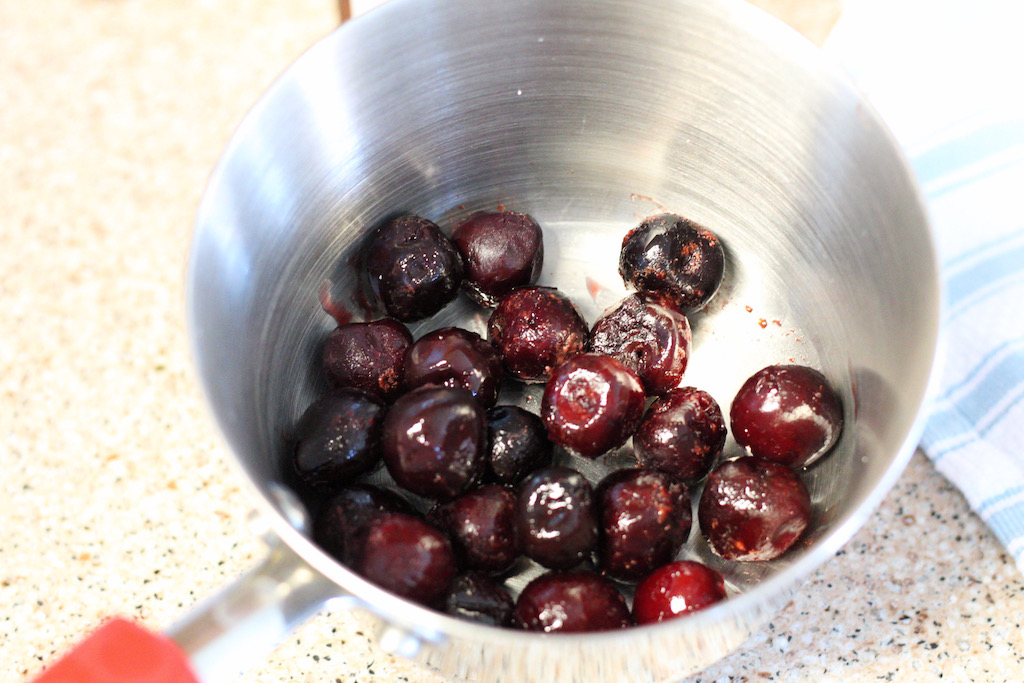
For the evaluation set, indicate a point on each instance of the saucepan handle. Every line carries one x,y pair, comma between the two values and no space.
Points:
121,651
213,643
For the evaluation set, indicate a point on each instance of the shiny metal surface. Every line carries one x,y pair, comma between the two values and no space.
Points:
589,116
253,614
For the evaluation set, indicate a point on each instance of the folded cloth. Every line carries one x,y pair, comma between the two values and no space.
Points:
947,78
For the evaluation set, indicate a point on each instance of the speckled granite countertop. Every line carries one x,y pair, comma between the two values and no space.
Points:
114,497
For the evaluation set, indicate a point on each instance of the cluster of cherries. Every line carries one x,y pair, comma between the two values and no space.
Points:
428,410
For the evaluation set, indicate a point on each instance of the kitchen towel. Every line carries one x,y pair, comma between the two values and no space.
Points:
948,79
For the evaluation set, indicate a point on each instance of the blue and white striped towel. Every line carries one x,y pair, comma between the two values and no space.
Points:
948,77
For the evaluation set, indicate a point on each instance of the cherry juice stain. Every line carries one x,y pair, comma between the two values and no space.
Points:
332,307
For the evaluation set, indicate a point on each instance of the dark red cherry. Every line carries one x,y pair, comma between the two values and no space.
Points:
569,602
477,597
650,339
501,251
787,413
481,525
592,404
682,433
673,256
414,269
753,509
407,556
338,438
434,441
556,520
341,522
454,357
676,589
535,329
368,356
645,519
517,444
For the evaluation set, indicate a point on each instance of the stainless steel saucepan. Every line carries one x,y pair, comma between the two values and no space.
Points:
589,116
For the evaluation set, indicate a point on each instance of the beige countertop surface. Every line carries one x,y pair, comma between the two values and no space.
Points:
115,496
